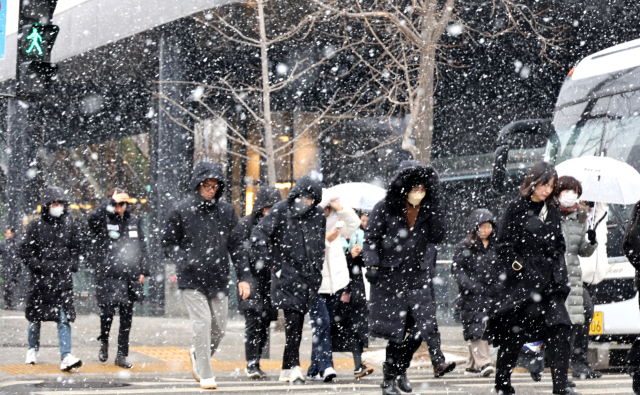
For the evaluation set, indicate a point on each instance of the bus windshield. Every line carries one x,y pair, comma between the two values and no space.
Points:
608,126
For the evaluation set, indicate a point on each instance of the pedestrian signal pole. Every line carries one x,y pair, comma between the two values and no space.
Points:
35,76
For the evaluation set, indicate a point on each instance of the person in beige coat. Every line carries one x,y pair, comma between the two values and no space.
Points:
341,222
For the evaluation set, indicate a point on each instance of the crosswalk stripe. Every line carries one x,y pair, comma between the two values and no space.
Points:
609,384
288,387
622,386
10,383
621,390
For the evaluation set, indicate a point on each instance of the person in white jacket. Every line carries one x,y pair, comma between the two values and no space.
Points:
341,222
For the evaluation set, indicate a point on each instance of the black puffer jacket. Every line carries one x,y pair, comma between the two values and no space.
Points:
11,263
534,296
50,248
291,244
120,244
400,254
350,324
259,300
475,268
197,237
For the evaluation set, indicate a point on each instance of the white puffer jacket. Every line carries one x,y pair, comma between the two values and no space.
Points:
335,272
595,267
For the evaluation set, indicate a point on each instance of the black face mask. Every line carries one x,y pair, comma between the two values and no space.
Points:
299,207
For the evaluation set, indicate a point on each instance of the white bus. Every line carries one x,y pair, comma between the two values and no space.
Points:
597,113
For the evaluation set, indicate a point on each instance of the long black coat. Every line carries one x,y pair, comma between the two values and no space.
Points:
197,237
259,300
50,248
291,244
400,254
11,263
631,241
350,323
475,268
120,245
533,297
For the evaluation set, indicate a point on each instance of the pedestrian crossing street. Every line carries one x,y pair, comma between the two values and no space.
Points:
422,384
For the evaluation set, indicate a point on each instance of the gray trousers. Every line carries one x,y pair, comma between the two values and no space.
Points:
209,318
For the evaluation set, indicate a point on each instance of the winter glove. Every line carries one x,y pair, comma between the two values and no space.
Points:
591,236
372,275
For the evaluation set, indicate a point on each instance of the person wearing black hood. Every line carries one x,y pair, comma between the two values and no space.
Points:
10,269
401,307
531,306
289,241
474,268
197,236
117,238
50,248
257,308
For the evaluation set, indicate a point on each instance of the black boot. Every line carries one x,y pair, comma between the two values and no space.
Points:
566,391
403,383
503,381
103,355
389,381
121,361
583,371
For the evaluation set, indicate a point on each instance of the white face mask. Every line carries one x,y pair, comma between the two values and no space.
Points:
56,211
569,199
414,198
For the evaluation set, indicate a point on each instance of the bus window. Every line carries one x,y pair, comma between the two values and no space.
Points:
582,139
622,140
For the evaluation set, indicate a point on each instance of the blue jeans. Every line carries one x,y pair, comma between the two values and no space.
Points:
64,335
322,315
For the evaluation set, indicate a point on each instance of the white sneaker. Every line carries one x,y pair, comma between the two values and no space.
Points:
32,356
329,375
194,366
316,377
284,375
70,362
208,384
487,370
296,374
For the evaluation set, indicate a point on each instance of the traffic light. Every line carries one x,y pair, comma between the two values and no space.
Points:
34,72
37,41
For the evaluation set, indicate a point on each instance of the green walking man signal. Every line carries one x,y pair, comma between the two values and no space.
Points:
35,39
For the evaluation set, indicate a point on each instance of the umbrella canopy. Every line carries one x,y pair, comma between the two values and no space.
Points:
358,195
603,179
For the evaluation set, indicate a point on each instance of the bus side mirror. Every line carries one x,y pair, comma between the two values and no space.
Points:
499,174
518,136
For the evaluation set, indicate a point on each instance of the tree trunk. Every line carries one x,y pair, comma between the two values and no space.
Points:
266,98
422,106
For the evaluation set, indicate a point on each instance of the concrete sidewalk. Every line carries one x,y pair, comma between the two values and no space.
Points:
160,344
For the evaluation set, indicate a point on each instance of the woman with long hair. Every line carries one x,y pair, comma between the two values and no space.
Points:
531,248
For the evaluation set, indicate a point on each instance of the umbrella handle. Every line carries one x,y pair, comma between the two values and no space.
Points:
600,220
